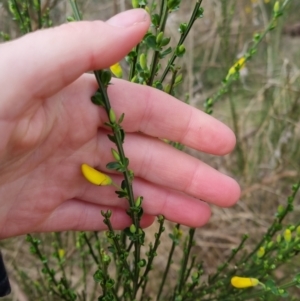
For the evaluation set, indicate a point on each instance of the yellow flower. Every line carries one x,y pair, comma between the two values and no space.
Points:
248,9
61,253
243,282
94,176
117,71
240,64
261,252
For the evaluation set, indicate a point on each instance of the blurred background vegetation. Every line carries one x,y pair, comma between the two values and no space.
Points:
263,109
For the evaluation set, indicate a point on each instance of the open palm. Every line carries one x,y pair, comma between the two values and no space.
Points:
49,127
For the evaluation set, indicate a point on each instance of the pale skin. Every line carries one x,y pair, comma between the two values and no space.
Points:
49,127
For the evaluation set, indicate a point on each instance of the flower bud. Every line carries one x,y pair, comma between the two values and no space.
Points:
138,202
142,263
167,88
61,253
180,50
165,42
280,209
159,37
276,7
287,235
132,228
115,154
261,252
178,79
278,238
298,231
182,28
106,258
134,79
143,61
112,116
135,3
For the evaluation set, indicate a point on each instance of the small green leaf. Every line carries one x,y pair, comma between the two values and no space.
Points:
111,138
98,276
150,41
105,77
122,194
165,42
180,50
121,118
98,99
164,53
200,12
113,166
155,19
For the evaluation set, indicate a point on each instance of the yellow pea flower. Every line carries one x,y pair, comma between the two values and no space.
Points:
117,71
240,64
243,282
94,176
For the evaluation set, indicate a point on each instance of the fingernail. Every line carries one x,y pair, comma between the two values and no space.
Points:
129,18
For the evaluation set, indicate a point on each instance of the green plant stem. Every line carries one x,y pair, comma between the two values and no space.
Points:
84,274
118,247
174,74
39,12
167,267
152,252
182,39
75,9
60,263
20,16
185,260
28,16
155,57
90,248
133,63
188,272
128,182
235,121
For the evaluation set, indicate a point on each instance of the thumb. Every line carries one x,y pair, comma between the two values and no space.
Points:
43,62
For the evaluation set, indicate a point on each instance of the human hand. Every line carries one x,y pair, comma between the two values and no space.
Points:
49,127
